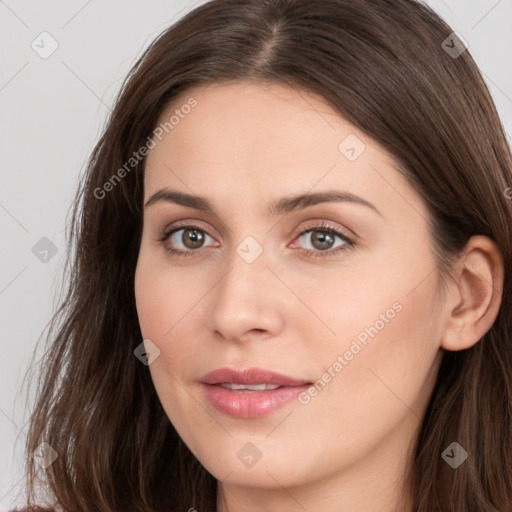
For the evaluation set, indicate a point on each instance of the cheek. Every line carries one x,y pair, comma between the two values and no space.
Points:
385,327
167,311
164,295
169,303
383,356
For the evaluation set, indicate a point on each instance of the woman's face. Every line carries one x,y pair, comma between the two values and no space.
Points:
300,250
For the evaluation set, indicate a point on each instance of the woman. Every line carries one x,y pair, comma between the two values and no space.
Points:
291,278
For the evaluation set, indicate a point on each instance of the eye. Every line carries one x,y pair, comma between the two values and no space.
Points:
186,239
323,240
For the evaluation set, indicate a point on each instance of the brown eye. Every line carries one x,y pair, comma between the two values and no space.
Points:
321,239
192,238
187,239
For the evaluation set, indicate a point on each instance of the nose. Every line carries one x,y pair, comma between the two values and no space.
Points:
249,302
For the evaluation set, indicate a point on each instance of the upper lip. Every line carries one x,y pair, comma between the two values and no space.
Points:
250,376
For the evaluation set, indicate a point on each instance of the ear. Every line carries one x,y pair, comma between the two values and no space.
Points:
474,295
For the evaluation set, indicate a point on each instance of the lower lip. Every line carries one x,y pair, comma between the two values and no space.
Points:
251,404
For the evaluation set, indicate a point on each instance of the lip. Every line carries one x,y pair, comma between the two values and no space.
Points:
250,404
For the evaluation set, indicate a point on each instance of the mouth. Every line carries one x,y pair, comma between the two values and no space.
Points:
250,393
248,387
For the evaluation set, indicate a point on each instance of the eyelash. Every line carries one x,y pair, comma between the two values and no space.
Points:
323,228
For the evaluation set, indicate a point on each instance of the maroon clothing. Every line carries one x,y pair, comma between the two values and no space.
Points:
33,509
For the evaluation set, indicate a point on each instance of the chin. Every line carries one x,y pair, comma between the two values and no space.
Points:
254,463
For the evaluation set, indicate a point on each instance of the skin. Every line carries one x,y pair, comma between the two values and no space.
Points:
293,310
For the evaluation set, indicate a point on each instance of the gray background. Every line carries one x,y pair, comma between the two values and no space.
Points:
53,110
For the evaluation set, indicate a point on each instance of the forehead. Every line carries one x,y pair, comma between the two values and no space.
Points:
258,140
255,121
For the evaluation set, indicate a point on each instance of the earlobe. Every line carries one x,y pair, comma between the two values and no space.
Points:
475,294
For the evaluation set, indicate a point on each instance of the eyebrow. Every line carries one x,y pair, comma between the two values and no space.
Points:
282,206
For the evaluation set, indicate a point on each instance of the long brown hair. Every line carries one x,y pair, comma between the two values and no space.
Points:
385,66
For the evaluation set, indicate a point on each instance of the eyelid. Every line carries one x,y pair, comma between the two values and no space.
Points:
320,224
167,233
184,224
174,232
